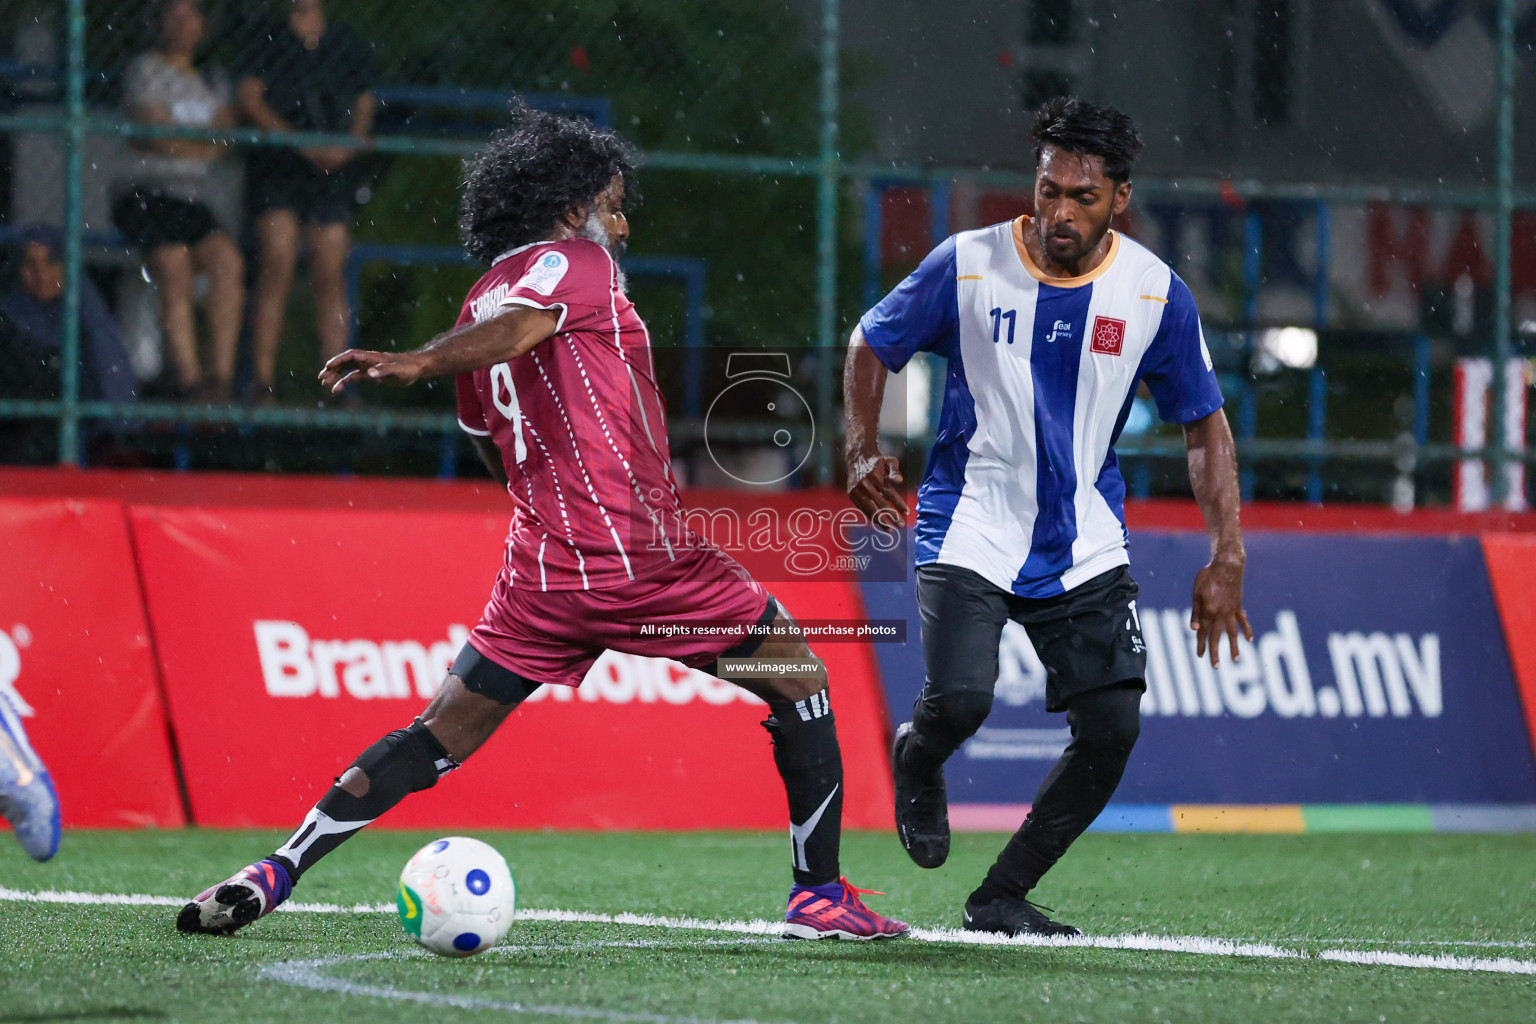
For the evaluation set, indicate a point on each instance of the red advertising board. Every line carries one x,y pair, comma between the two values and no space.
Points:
75,649
1512,572
290,639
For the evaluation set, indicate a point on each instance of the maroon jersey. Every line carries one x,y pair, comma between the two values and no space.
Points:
579,421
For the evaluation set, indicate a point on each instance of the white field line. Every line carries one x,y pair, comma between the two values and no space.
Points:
133,899
1193,944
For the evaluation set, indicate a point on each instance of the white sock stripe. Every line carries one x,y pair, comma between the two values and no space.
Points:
815,706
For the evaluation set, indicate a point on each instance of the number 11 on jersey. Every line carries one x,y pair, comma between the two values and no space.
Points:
998,316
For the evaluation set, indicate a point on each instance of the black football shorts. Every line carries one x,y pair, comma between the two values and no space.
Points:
1087,638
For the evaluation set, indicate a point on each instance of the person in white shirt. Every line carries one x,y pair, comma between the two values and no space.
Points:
164,209
1048,324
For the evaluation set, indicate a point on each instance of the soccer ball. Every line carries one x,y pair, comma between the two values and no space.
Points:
456,897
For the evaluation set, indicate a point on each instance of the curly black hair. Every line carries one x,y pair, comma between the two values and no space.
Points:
534,172
1069,123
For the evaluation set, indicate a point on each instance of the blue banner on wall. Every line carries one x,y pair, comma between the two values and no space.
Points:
1379,674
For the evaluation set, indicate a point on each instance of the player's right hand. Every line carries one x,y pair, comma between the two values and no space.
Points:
874,485
398,368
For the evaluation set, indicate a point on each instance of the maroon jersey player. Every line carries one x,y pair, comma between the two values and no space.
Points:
557,389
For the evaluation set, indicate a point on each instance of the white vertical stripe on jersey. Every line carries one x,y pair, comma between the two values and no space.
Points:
1104,383
1002,466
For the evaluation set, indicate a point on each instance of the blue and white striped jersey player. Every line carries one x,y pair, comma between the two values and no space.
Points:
1047,324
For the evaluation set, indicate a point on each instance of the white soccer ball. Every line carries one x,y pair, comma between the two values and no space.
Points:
456,896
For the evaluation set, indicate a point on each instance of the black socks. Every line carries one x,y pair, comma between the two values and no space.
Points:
806,753
1105,724
404,762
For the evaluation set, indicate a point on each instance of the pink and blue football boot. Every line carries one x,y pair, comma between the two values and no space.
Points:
254,892
834,911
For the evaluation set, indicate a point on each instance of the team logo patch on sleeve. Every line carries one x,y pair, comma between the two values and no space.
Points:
1108,336
545,273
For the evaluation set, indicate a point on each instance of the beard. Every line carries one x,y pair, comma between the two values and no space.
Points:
1069,248
593,231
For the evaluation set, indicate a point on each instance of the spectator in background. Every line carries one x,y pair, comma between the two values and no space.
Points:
166,211
32,330
305,75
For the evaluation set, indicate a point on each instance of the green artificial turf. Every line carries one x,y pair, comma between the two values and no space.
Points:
1469,896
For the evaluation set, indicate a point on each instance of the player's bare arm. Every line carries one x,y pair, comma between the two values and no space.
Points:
461,350
1218,597
874,480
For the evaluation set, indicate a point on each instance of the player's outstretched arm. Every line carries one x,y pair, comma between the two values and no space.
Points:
460,350
1218,598
874,480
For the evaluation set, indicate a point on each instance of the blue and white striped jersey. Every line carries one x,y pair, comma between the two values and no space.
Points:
1022,485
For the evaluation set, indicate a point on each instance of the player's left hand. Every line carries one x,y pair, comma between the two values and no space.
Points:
399,368
1218,609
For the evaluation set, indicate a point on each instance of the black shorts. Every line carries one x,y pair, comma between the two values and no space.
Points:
149,218
285,180
1087,638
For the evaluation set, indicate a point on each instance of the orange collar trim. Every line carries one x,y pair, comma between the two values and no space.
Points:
1063,282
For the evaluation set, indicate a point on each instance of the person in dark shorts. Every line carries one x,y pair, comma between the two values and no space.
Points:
1048,325
304,74
558,391
164,208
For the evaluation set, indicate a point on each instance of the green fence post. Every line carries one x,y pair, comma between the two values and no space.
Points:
1501,248
74,139
826,244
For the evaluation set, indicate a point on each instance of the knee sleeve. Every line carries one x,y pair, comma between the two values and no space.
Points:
406,761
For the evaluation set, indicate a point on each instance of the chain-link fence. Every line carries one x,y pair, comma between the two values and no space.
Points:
799,157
